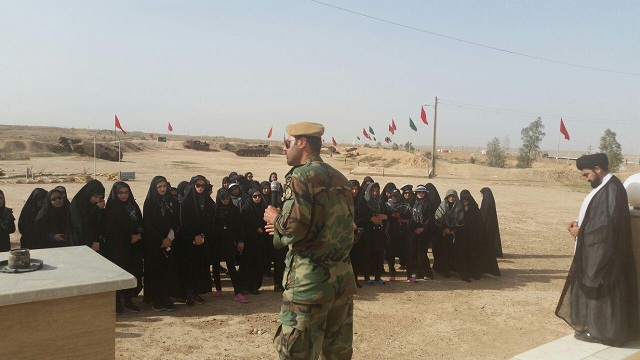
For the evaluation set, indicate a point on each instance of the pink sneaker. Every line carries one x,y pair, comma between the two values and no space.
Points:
412,280
241,298
392,278
216,295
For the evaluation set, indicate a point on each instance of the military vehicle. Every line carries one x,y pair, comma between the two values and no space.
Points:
197,145
254,151
105,151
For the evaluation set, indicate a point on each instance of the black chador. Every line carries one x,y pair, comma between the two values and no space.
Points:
421,225
449,217
87,218
373,234
196,226
253,233
53,223
28,236
490,220
125,229
477,250
160,225
7,224
357,251
226,229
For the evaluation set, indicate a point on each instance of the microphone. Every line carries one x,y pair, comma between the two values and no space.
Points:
275,194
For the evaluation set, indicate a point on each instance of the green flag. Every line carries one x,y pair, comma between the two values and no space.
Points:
412,125
371,131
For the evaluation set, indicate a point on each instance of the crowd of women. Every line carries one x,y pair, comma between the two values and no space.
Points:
405,223
178,246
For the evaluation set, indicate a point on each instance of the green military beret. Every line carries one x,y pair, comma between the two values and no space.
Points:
305,128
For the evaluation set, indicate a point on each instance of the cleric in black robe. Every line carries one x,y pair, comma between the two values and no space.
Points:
7,224
226,230
490,220
479,254
449,217
196,225
28,236
87,216
52,223
253,234
124,239
373,234
420,224
160,224
600,297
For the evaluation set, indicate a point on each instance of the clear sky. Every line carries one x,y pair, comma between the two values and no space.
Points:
236,68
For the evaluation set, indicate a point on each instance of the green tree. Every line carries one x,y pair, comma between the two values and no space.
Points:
408,147
610,146
395,147
532,135
496,155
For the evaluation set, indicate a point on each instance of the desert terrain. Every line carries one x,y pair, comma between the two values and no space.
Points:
493,318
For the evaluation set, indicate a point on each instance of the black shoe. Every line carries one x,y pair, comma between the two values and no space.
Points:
255,292
168,305
190,302
278,288
198,299
157,306
128,305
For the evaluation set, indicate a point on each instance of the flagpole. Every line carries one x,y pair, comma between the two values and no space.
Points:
558,153
433,153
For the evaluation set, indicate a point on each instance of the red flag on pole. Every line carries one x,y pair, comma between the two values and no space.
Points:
364,132
270,133
423,116
170,127
119,126
391,130
393,125
333,141
563,130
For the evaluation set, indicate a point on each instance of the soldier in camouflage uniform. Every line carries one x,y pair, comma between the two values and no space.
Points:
316,223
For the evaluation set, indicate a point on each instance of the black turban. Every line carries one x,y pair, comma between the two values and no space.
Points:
593,160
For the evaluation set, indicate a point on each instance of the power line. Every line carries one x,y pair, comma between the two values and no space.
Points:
525,113
474,43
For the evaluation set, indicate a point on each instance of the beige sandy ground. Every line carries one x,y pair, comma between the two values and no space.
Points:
494,318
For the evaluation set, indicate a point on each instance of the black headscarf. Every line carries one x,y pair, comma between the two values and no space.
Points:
466,195
387,188
127,210
490,219
86,218
433,195
82,200
450,215
63,190
195,207
161,204
182,187
53,220
226,180
7,221
27,218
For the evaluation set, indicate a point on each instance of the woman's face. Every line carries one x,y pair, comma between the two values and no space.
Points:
199,185
225,199
465,203
375,192
123,194
420,194
57,199
451,198
161,188
266,190
175,194
249,176
273,177
354,190
406,194
96,198
256,197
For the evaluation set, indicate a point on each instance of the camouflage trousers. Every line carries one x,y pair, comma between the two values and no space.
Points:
308,330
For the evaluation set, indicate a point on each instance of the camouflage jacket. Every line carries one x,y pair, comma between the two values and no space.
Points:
316,224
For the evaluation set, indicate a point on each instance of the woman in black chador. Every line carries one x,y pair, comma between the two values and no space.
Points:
449,217
29,237
398,215
490,220
479,255
124,234
373,234
357,251
52,223
224,243
421,224
253,234
160,224
87,216
7,224
196,236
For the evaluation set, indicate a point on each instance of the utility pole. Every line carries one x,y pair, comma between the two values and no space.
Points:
433,151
